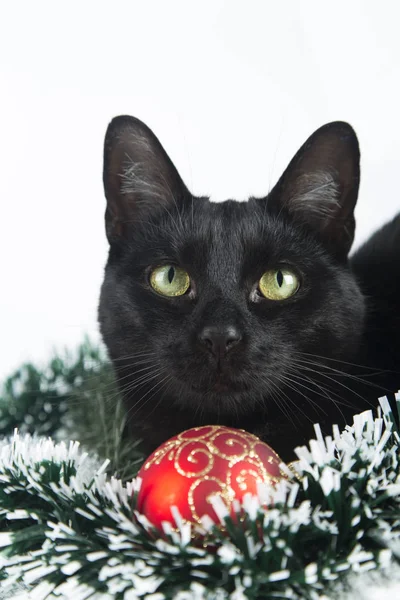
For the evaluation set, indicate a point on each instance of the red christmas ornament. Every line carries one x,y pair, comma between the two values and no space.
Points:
202,462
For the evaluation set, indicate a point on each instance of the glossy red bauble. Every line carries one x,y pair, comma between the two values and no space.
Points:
199,463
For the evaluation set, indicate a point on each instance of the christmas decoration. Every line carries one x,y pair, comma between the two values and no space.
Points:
74,396
191,469
67,530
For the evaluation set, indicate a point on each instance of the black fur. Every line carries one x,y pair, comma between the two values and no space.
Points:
289,366
377,268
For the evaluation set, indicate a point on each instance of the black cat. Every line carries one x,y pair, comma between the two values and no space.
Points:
247,314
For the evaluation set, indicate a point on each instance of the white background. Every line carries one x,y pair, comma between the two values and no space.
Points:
232,89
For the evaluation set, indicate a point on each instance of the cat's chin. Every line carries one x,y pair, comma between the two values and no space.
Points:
217,399
219,387
220,383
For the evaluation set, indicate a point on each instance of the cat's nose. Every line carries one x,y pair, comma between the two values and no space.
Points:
220,341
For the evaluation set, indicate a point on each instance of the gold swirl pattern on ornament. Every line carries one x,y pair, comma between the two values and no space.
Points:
259,473
241,440
242,477
216,442
158,456
226,494
184,437
246,441
193,459
171,447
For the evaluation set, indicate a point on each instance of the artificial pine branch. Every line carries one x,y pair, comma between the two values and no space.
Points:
75,397
69,530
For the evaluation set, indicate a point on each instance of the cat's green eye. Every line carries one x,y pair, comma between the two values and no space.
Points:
169,280
279,284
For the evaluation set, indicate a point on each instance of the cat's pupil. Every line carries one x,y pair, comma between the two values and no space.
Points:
279,278
171,274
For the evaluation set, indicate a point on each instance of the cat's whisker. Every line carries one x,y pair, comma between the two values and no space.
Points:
292,385
342,362
336,381
336,371
132,378
324,389
259,399
199,408
141,381
135,363
94,378
125,388
91,384
133,356
339,372
139,404
163,390
297,381
121,378
235,405
281,402
300,377
282,405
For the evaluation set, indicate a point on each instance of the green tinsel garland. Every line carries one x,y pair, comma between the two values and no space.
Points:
70,531
74,396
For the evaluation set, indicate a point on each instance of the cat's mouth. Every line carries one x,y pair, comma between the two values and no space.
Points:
221,387
220,384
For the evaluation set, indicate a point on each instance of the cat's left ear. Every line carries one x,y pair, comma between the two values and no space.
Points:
320,186
139,177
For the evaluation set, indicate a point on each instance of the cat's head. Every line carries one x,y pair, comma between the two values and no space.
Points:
224,307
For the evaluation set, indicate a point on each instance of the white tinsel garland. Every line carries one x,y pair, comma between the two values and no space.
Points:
68,531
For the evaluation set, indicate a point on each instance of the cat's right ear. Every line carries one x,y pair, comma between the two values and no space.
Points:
139,177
